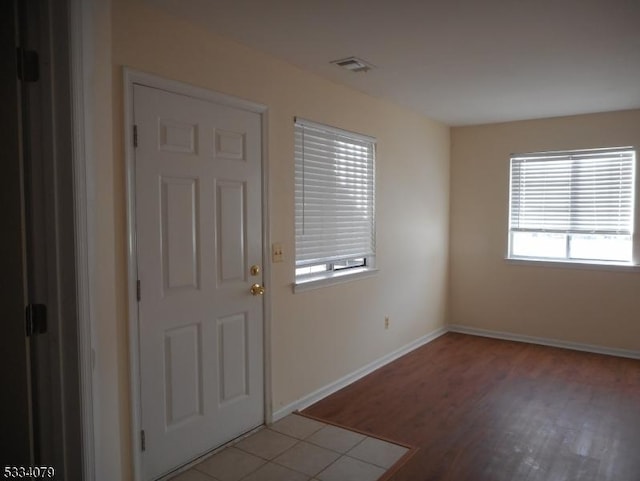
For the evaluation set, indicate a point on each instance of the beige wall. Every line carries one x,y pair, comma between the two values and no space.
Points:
316,336
109,407
592,306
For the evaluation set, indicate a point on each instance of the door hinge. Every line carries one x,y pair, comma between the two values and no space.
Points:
28,65
143,441
135,135
138,295
35,319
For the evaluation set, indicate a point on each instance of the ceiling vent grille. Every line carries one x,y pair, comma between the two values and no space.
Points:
353,64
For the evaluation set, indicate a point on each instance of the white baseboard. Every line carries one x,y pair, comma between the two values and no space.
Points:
329,389
576,346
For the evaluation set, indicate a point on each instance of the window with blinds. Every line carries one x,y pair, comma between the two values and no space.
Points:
334,199
576,205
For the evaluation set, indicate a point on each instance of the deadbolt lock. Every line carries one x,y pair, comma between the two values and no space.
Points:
255,270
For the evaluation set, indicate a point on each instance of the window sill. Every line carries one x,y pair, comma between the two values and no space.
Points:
565,264
332,278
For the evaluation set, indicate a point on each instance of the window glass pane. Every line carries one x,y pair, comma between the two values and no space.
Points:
601,247
538,244
349,263
301,271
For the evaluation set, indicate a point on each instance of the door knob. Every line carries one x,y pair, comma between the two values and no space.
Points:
257,290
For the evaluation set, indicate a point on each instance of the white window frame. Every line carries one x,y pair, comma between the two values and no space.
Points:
571,233
328,271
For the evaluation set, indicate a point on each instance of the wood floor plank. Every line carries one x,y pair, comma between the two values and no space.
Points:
490,410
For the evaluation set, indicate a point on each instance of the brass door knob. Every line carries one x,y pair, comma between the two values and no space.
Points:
257,290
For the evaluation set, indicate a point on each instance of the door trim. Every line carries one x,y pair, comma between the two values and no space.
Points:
79,24
133,77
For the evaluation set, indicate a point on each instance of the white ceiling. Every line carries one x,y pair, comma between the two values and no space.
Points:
458,61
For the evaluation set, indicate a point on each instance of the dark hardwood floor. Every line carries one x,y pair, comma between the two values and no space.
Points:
481,409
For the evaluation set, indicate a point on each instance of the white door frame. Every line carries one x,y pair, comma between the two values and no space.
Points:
79,26
131,78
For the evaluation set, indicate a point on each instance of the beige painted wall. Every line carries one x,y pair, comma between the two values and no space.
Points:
316,336
592,306
110,415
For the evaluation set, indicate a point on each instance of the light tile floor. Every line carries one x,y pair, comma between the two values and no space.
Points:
297,448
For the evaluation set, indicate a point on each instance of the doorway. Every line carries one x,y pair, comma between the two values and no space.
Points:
42,403
197,270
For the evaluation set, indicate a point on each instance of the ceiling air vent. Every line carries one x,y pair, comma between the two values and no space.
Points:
353,64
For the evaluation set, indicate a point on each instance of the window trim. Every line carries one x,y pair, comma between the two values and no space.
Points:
332,278
304,282
569,264
631,265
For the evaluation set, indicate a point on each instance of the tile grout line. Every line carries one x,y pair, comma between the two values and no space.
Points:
302,438
327,467
354,430
389,472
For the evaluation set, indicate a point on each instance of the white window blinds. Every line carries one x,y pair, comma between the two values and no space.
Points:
334,194
588,191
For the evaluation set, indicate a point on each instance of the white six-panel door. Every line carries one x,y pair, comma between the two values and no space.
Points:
198,233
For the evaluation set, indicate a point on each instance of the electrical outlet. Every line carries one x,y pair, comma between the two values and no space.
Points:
386,322
277,254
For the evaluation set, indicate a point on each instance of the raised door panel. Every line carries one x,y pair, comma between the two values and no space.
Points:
175,136
233,353
183,375
179,219
231,230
